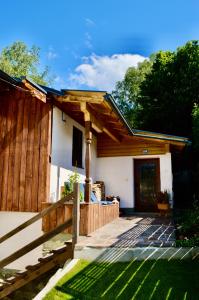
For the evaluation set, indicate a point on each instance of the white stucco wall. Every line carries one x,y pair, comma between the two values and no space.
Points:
61,157
116,172
118,175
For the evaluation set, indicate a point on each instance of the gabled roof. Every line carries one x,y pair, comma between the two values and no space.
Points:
39,87
4,77
24,84
111,119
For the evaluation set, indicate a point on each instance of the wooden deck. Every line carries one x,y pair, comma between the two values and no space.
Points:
92,216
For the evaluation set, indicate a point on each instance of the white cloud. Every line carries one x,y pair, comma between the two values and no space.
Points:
89,22
88,41
102,72
51,54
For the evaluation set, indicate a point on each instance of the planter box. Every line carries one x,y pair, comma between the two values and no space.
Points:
163,206
92,216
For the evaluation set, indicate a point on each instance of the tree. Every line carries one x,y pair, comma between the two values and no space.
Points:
18,60
170,92
128,90
196,127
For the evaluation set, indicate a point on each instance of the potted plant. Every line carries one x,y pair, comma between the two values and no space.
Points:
68,186
163,201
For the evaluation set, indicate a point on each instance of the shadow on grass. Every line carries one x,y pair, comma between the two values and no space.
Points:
115,274
148,279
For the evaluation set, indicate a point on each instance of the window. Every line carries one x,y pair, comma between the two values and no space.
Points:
77,148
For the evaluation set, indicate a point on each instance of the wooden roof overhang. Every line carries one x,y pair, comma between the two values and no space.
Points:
98,107
173,143
94,107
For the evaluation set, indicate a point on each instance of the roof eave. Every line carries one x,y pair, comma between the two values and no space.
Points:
109,98
33,84
183,140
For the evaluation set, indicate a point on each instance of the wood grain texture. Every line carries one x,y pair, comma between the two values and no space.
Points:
25,139
47,210
88,137
76,215
92,216
3,128
58,259
34,244
129,146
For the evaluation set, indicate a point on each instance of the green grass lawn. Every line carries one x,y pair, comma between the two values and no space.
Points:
141,280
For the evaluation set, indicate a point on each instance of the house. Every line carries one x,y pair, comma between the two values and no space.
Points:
46,135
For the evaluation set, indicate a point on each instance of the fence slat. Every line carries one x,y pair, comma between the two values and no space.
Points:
37,242
37,217
76,215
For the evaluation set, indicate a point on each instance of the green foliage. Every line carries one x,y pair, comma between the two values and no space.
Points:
170,91
128,90
163,99
196,127
190,221
151,109
19,60
192,242
68,186
188,227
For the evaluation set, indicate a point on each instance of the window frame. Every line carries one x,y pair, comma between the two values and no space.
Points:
77,161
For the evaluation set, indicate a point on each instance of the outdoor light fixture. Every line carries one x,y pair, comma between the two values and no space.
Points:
145,151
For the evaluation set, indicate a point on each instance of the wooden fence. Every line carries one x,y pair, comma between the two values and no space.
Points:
57,257
92,216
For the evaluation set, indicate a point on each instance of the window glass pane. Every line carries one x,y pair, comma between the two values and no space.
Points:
77,148
147,183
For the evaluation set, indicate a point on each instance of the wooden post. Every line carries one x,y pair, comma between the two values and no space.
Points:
76,216
88,135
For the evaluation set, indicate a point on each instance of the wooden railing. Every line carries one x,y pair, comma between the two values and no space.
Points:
92,216
74,222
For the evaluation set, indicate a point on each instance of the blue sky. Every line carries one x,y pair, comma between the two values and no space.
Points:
90,44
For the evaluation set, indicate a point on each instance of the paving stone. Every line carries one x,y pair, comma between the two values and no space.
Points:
142,231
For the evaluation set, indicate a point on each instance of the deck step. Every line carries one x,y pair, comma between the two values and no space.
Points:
33,267
10,279
59,250
45,258
55,258
21,273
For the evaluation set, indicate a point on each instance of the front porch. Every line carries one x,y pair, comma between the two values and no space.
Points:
91,138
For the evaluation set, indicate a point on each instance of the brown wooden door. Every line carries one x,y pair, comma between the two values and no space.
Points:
147,183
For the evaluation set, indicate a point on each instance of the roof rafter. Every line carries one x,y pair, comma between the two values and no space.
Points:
34,91
72,98
98,125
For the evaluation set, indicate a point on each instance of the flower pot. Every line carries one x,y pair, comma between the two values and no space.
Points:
163,206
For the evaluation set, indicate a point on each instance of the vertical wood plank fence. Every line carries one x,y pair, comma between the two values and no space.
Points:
44,264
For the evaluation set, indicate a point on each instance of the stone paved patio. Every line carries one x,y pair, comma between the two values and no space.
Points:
130,232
